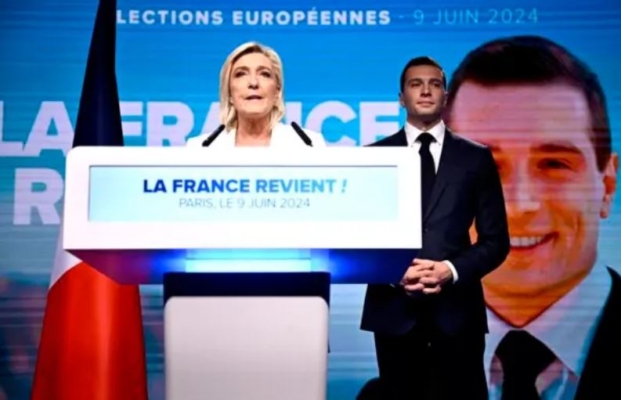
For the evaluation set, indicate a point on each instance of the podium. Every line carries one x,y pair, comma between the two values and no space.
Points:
246,243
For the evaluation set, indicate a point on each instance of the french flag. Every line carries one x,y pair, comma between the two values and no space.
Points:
92,344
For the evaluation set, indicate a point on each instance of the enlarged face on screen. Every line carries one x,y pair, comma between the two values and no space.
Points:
423,94
554,191
253,86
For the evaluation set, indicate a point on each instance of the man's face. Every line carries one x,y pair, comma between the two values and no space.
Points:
554,192
423,94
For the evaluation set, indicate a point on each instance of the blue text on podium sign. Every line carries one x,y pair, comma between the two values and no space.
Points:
243,185
243,193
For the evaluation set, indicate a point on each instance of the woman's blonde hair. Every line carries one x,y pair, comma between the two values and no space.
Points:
228,114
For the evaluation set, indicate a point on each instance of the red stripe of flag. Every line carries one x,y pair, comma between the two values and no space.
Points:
92,344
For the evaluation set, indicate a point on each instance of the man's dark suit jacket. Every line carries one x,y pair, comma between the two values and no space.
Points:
467,188
599,379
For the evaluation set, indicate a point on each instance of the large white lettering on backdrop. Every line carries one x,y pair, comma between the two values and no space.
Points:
38,191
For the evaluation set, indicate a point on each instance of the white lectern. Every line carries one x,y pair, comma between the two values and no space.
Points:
246,243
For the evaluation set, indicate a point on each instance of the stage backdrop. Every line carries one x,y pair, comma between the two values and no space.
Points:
342,61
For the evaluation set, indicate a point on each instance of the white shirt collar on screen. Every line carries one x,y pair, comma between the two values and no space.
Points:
566,328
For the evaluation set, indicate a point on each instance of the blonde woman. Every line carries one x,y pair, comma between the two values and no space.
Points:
252,104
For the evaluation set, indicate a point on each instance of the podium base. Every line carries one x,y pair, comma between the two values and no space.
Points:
235,336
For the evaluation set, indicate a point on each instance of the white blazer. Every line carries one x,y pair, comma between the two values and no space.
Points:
282,136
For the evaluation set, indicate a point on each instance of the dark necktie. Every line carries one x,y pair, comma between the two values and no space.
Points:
428,168
523,358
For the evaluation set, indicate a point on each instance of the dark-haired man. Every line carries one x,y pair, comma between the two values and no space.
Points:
430,328
554,307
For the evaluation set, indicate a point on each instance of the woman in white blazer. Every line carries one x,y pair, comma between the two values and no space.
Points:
252,104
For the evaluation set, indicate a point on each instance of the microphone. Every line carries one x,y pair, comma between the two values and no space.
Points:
302,134
213,135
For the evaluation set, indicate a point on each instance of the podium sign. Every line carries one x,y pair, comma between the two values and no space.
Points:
252,195
149,210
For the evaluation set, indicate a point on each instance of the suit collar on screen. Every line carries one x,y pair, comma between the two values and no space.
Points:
596,379
568,326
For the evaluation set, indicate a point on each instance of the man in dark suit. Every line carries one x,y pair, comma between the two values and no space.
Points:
430,328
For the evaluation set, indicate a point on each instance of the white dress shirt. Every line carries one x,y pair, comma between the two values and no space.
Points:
567,328
435,148
282,136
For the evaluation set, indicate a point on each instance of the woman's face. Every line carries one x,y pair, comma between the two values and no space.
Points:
253,87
